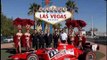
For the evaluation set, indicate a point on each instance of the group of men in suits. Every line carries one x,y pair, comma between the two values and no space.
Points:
44,40
41,39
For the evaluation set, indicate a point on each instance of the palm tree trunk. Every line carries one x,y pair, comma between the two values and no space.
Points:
72,12
34,20
34,17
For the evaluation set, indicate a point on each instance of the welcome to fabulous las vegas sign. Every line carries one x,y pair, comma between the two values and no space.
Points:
53,14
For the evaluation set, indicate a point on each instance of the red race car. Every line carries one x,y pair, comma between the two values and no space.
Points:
63,52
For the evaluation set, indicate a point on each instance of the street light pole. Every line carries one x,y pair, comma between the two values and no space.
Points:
92,26
106,17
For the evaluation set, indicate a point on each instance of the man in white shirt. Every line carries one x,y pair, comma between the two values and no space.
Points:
63,36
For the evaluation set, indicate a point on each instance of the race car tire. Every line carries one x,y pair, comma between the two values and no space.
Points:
90,56
32,57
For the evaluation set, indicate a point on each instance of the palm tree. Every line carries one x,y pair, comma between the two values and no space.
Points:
32,9
57,26
71,6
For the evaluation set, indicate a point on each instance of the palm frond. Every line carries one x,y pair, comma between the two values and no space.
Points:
71,5
30,13
33,8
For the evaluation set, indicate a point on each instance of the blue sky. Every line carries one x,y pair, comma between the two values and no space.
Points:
88,10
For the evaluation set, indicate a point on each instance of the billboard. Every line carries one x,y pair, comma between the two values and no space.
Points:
53,14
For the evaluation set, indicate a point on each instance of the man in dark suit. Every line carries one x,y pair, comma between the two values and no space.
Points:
55,38
41,39
48,38
35,39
